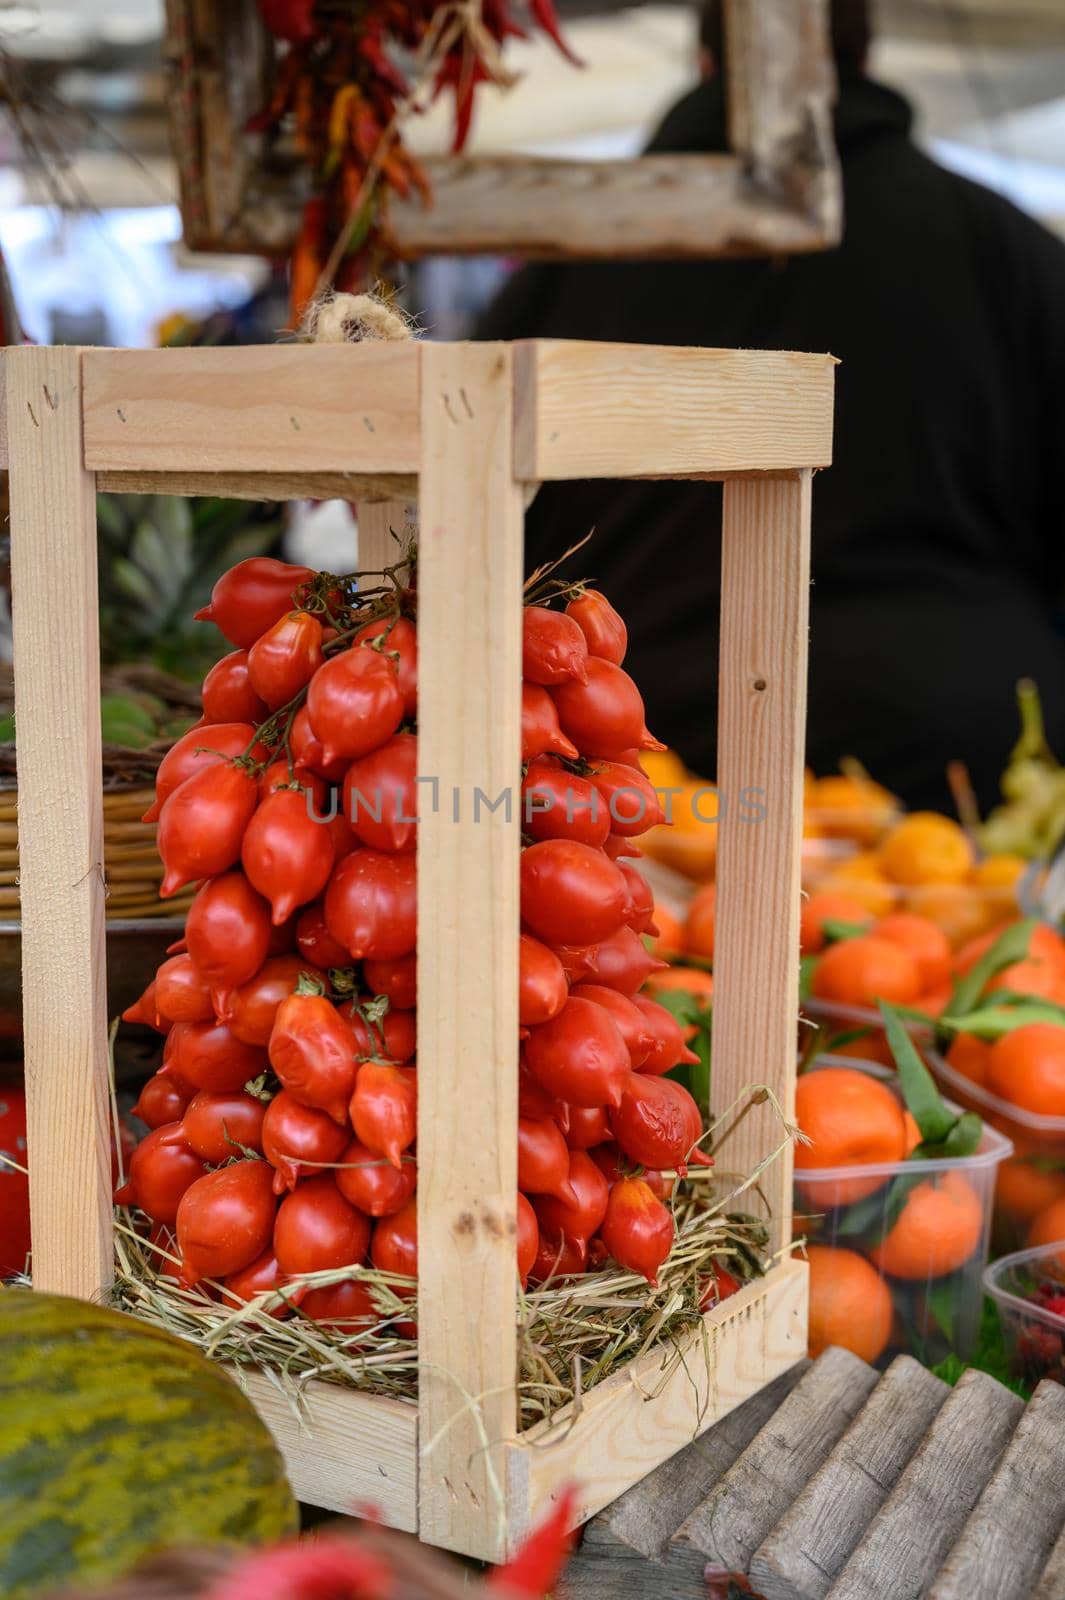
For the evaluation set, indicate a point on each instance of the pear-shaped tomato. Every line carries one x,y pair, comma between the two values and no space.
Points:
287,852
225,1220
638,1230
317,1230
201,825
528,1242
299,1141
580,1055
163,1099
381,795
543,1159
219,1126
208,1056
604,630
284,659
206,745
553,647
161,1168
384,1109
228,931
540,731
632,1024
312,1050
250,597
582,1215
605,716
227,693
354,703
371,905
372,1183
571,894
396,637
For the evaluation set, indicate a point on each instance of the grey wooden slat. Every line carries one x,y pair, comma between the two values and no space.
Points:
910,1536
813,1541
1051,1585
1005,1544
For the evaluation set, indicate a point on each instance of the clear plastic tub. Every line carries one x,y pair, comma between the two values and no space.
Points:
1033,1333
1033,1179
870,1041
923,1226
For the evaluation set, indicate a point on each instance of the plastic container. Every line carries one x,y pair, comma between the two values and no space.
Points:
1034,1177
856,1032
924,1227
1034,1335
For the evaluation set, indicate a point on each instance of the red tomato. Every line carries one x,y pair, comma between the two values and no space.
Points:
341,833
540,731
393,1037
570,893
208,1056
286,854
604,631
346,1307
384,1109
372,1183
225,1220
528,1239
613,1165
202,824
668,1048
160,1170
581,1216
285,658
219,1126
397,980
621,962
641,914
556,804
394,1247
533,1101
553,647
587,1127
397,637
299,1140
227,693
203,746
228,933
317,1229
263,1276
312,1050
279,775
629,798
251,596
181,994
632,1025
163,1099
657,1123
638,1230
251,1009
307,752
720,1283
316,944
542,987
604,717
558,1258
371,905
146,1011
617,846
14,1185
354,703
381,795
580,1055
543,1159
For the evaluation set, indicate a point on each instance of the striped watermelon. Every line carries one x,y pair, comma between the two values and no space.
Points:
117,1440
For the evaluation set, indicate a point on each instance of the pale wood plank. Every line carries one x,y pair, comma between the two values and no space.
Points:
57,708
343,1451
1011,1532
634,1421
380,522
657,206
266,408
1051,1585
627,411
813,1541
753,1495
264,485
469,646
765,577
912,1533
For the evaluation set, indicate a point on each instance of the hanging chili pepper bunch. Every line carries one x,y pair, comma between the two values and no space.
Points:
341,82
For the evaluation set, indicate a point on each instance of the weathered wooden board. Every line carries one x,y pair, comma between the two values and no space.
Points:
812,1542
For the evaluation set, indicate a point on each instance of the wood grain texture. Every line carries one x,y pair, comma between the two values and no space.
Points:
765,577
1051,1584
383,528
637,1419
628,411
57,709
778,1463
911,1535
264,485
661,206
1007,1540
344,1451
469,672
813,1541
266,408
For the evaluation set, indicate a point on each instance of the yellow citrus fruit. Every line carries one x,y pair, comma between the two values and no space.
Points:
926,848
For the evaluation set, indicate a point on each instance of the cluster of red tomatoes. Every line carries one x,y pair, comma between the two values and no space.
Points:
283,1116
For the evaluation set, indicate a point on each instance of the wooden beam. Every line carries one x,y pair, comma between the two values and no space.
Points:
627,411
61,859
469,671
264,408
366,489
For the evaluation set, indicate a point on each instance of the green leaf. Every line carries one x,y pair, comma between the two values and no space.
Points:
942,1298
993,1021
807,968
7,729
835,932
682,1005
877,1213
962,1140
158,560
1010,946
131,581
916,1082
119,708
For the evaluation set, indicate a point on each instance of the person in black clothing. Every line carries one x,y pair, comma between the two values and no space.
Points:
938,552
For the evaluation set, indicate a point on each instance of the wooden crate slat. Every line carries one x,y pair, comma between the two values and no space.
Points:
60,780
629,411
469,670
364,487
265,408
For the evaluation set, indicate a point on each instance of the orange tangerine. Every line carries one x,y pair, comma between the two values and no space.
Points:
859,972
861,879
1048,1225
936,1232
1043,980
960,910
867,1047
850,1304
913,1132
699,928
1023,1189
973,950
852,1120
969,1056
1027,1068
851,808
694,979
926,848
826,906
933,1002
669,940
924,940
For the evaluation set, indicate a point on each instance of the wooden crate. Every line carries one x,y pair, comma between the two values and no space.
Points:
469,428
